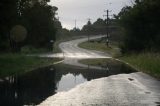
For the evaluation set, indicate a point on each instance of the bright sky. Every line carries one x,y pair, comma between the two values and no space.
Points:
81,10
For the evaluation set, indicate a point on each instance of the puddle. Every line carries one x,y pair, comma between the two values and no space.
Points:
130,79
158,103
34,87
148,92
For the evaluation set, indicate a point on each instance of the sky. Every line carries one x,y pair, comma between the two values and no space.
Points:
81,10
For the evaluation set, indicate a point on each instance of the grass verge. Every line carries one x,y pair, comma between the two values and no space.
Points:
112,49
145,62
17,63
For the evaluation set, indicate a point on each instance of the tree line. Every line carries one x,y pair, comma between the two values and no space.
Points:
141,23
99,27
36,16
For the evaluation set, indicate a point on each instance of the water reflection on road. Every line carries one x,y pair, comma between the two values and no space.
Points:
34,87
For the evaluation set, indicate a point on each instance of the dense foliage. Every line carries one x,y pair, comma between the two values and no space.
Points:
35,15
8,14
141,23
98,27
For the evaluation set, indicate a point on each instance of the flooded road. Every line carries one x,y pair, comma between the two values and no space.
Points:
76,84
34,87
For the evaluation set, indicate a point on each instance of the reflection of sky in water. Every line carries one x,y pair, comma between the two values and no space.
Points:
35,86
69,81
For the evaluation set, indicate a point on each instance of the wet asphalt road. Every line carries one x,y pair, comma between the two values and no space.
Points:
72,53
71,49
136,89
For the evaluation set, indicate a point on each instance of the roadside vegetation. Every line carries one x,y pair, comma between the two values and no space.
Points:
17,63
141,41
27,24
139,33
34,28
145,62
26,27
99,45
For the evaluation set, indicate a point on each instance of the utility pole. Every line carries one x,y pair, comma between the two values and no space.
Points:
107,22
75,24
89,20
107,27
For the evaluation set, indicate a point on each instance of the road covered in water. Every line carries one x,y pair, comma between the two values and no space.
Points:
134,89
72,53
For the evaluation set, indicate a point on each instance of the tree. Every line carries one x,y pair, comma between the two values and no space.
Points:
42,28
141,23
99,26
35,15
88,29
7,10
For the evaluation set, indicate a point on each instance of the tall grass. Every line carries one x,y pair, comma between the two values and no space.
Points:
146,62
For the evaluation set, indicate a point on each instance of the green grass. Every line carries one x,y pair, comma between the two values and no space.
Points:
145,62
33,50
17,63
99,62
112,49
